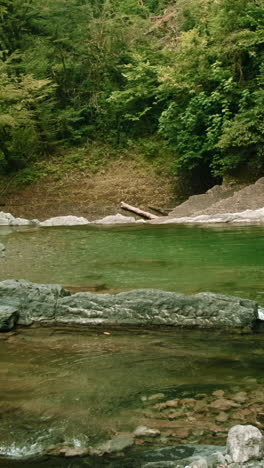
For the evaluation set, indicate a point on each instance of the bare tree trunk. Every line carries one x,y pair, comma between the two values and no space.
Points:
133,209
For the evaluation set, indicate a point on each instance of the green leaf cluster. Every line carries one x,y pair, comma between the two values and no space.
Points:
189,72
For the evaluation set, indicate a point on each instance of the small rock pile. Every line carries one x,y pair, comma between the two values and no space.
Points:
244,449
204,418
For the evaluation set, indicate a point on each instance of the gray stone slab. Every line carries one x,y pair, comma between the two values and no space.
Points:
8,318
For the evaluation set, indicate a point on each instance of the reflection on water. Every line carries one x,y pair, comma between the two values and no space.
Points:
79,387
174,258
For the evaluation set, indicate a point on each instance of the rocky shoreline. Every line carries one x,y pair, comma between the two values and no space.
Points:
247,217
7,219
25,303
244,449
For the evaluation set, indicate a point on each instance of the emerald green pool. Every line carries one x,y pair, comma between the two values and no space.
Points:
107,259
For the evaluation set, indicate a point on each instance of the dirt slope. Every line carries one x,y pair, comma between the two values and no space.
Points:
83,193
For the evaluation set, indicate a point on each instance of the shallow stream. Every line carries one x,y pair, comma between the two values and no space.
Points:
79,388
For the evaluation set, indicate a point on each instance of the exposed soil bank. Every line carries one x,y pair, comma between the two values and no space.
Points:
89,194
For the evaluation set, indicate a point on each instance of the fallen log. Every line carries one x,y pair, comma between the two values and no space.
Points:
133,209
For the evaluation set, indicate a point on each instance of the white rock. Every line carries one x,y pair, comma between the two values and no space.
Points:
260,313
21,222
144,431
200,463
64,221
6,219
244,443
118,219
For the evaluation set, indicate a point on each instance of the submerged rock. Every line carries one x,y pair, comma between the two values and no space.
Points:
117,444
199,463
40,302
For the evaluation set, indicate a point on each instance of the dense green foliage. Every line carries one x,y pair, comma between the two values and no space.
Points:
188,72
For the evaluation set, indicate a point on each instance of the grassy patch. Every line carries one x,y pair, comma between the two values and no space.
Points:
95,157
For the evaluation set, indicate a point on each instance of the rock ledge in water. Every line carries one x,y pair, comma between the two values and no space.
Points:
52,303
153,307
33,302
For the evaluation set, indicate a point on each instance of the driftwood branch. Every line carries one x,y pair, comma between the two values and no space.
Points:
133,209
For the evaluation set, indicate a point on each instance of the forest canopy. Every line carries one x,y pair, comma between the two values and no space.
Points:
188,73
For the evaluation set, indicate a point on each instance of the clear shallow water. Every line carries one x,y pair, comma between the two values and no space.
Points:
80,387
175,258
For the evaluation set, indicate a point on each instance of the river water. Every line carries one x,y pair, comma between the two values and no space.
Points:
173,258
79,388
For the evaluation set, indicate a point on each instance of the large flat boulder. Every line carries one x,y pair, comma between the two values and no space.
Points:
153,307
8,318
42,302
35,302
